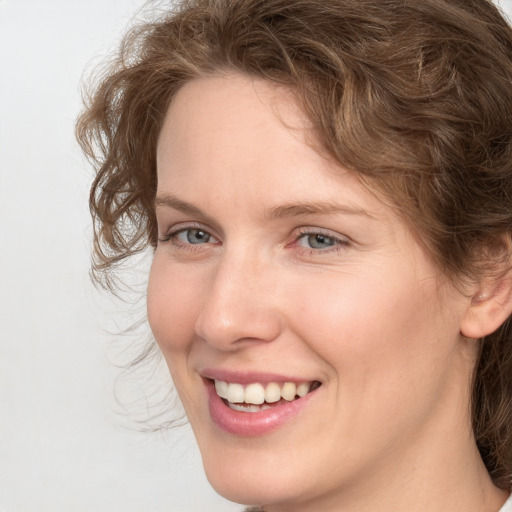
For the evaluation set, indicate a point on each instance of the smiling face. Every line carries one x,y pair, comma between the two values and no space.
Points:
281,281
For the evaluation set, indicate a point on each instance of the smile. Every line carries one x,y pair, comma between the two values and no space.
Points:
256,404
256,397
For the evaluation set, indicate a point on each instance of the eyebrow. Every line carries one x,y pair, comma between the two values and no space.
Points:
315,208
276,212
177,204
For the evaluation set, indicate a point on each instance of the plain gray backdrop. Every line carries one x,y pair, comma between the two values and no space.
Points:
63,448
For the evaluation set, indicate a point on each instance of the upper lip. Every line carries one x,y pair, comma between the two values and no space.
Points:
249,377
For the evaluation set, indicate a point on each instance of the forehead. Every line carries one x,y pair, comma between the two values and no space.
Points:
220,112
249,137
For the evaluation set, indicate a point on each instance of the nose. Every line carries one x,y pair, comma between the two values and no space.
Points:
239,304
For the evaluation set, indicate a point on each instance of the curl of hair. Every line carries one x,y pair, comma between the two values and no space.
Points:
414,96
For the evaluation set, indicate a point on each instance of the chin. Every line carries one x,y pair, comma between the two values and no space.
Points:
257,478
251,491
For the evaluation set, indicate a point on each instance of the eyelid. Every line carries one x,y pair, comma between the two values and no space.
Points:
175,229
313,230
343,240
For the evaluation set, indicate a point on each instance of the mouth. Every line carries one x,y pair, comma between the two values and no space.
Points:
257,397
254,404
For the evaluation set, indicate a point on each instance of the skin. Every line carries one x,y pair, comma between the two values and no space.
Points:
367,314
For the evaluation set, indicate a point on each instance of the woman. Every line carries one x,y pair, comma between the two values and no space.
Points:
328,190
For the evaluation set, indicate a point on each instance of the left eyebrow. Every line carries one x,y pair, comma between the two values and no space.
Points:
321,208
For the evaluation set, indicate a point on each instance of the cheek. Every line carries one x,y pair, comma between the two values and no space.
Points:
390,351
173,300
375,330
172,307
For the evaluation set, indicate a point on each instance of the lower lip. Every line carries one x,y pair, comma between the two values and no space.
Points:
250,424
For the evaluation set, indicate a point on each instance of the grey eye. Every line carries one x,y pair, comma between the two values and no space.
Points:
319,241
194,236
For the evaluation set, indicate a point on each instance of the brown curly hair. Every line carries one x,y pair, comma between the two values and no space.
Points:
414,96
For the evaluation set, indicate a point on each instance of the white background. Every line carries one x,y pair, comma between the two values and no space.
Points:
63,448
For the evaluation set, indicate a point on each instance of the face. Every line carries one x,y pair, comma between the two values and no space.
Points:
284,286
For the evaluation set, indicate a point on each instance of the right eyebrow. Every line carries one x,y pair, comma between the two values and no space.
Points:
171,201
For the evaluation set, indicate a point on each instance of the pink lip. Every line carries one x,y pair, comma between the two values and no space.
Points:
248,377
247,424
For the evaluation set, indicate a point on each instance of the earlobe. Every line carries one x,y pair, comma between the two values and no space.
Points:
490,306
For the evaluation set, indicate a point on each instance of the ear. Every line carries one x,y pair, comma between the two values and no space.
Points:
491,305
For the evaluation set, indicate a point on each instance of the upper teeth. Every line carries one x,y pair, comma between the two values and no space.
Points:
258,393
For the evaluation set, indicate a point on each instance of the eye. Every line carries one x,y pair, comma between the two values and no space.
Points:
189,236
193,236
317,241
314,241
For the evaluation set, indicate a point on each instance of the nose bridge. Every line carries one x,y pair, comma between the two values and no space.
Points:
238,302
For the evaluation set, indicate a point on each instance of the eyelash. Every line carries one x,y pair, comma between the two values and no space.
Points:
339,244
171,237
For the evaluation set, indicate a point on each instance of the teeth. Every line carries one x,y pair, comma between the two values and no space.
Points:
235,393
289,391
303,389
272,393
222,388
248,408
256,394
